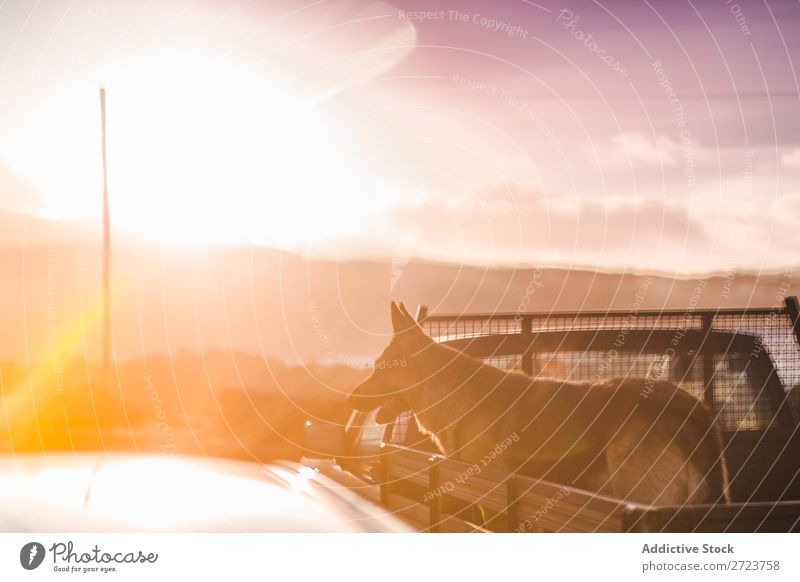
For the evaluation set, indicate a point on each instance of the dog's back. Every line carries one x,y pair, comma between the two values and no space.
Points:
655,446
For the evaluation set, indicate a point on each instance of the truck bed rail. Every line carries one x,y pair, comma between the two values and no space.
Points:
438,490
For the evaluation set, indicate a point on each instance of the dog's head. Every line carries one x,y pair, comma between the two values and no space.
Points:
394,373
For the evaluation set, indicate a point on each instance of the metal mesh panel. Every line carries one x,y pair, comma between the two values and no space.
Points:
741,399
746,394
445,329
594,366
774,329
449,329
557,322
505,362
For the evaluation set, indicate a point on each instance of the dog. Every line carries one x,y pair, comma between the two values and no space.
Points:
658,446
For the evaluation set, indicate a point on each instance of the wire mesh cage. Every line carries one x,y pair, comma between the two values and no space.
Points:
743,363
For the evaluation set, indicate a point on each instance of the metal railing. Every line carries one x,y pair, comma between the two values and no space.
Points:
742,362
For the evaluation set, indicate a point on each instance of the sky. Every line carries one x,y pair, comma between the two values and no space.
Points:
626,136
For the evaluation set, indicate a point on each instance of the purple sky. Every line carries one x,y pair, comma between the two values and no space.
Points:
658,136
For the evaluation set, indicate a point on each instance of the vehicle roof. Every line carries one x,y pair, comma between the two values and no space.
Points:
129,492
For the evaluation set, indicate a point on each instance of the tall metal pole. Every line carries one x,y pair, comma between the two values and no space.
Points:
106,253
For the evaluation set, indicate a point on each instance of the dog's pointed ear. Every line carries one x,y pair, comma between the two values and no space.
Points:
409,319
411,322
399,322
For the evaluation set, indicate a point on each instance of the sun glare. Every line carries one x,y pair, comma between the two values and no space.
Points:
202,151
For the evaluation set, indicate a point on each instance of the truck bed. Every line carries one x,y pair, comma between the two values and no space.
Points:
441,494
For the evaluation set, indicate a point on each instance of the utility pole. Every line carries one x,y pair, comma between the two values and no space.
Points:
106,252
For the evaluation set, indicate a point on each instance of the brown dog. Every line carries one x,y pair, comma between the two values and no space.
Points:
662,448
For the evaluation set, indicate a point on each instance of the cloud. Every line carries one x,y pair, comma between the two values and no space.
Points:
510,225
636,148
791,159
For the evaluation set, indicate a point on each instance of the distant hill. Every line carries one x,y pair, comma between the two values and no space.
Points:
282,306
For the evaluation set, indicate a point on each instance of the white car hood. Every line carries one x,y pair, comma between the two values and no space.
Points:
117,492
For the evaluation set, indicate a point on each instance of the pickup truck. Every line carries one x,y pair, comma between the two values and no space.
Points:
744,364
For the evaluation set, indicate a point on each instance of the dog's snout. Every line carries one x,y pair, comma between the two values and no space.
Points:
361,399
